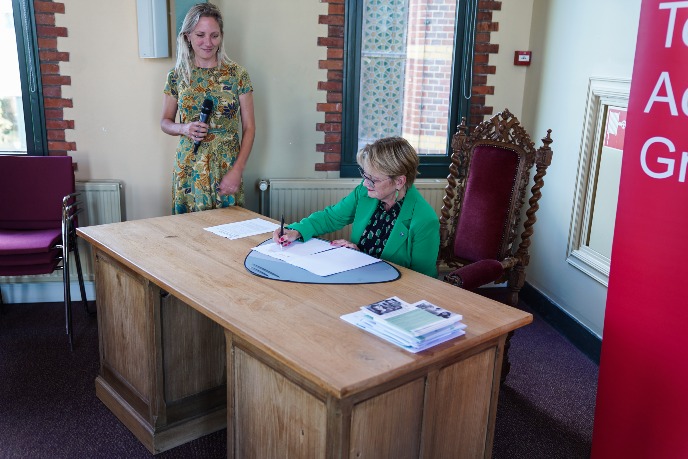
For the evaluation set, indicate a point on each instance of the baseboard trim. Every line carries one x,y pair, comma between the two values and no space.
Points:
581,337
43,292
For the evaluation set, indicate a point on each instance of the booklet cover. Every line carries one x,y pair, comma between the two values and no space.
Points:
415,319
358,319
414,327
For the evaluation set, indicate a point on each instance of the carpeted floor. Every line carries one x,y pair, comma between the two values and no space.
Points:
547,403
48,406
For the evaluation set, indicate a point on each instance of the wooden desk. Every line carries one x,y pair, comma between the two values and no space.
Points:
300,381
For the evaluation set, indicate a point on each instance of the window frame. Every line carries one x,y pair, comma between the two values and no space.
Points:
431,166
30,76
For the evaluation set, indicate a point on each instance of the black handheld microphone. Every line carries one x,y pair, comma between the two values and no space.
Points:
206,110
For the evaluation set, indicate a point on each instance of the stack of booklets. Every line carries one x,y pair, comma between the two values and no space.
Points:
414,327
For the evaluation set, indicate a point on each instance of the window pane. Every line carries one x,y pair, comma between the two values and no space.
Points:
407,57
12,129
383,63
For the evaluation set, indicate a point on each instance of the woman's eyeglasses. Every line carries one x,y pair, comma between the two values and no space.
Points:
370,180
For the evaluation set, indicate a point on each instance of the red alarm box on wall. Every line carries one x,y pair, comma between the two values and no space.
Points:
522,57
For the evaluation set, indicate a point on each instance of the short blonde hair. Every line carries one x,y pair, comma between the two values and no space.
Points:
392,156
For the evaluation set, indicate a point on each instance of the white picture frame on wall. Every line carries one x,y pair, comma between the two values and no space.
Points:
603,94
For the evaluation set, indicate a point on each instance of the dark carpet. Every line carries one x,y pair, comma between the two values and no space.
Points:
48,406
547,403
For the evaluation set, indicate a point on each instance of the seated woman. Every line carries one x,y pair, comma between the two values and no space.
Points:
391,220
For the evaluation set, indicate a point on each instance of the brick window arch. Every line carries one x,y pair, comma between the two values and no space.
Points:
334,85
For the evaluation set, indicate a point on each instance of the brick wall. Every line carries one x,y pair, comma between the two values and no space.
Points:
481,61
51,77
334,64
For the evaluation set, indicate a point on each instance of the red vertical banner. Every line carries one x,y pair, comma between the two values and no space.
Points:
642,397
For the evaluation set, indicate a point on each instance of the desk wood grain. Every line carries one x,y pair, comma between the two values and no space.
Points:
296,330
297,324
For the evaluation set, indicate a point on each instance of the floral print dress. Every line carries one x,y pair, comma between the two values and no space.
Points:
196,178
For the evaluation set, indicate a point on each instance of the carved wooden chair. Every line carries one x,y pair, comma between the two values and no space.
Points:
482,208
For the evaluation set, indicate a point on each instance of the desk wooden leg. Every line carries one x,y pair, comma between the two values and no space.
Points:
162,363
439,412
506,363
461,406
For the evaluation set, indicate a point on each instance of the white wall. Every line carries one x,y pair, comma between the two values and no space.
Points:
117,96
571,41
513,35
117,100
277,43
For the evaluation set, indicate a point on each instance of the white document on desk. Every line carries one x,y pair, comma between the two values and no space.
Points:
243,229
318,256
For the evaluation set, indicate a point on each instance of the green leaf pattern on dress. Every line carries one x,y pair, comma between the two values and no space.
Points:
196,178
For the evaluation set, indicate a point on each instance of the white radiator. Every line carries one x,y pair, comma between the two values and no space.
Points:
298,198
102,202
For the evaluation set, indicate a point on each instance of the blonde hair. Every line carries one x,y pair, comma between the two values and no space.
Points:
392,156
185,54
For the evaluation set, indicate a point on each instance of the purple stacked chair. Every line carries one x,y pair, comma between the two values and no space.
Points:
38,210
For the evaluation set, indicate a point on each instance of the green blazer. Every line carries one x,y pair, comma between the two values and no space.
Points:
415,239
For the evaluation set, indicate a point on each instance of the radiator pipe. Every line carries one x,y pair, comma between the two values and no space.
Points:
262,186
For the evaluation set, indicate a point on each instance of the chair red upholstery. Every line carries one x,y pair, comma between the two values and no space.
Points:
482,208
38,220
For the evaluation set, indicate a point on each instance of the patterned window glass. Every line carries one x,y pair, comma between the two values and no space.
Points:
407,53
383,62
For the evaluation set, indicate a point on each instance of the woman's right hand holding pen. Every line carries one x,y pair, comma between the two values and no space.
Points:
287,238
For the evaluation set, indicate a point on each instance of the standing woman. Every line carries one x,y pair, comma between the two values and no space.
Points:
211,177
